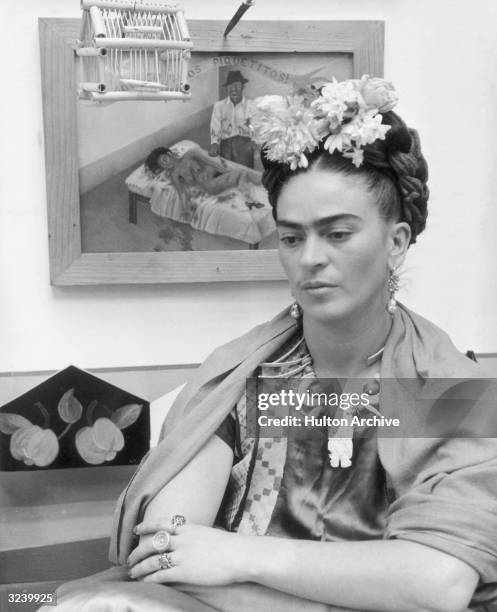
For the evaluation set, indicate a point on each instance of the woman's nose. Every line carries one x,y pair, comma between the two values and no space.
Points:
313,252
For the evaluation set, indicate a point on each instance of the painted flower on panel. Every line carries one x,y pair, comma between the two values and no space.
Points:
100,442
34,445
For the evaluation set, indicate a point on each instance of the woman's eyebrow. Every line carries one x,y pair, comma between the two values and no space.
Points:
319,223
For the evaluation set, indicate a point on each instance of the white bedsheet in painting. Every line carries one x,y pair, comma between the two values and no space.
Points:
245,217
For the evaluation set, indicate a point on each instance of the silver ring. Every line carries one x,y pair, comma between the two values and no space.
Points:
178,520
161,540
165,561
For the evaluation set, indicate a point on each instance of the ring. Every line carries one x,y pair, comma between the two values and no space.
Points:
165,561
178,520
161,540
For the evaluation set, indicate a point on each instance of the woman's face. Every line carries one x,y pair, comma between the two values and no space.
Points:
333,244
165,161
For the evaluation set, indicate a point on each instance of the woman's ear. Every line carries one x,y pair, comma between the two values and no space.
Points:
400,238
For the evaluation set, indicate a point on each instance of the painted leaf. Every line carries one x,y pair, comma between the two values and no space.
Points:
69,407
9,422
126,415
91,405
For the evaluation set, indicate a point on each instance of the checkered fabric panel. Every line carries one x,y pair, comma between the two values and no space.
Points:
240,471
264,486
236,490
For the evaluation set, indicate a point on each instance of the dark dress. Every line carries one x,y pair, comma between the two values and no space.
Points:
316,501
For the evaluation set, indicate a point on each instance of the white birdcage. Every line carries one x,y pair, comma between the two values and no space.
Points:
134,50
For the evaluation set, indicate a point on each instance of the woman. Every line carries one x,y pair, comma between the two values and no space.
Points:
328,517
195,170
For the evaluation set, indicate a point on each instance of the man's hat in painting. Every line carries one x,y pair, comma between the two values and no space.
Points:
234,76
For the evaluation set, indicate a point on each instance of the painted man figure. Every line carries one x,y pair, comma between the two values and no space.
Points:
230,133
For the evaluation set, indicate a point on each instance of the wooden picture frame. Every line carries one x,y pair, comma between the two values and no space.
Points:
363,40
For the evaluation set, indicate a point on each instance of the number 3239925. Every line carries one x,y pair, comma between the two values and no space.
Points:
41,598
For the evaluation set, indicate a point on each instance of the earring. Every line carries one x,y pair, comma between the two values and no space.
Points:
393,287
295,311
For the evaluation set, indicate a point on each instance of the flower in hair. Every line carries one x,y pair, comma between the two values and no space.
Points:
338,102
287,127
378,93
347,115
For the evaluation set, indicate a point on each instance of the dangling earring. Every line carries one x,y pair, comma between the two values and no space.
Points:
295,311
393,287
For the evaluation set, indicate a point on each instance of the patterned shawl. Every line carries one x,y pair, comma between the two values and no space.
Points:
446,489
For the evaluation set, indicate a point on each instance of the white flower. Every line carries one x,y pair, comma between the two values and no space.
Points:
369,128
347,92
346,114
286,128
357,156
337,142
339,101
332,110
271,103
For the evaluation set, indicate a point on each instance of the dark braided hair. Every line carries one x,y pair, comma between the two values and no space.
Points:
394,170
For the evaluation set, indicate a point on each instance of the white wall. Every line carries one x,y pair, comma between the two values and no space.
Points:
441,54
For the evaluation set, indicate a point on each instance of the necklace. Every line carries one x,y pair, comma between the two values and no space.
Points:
341,444
298,361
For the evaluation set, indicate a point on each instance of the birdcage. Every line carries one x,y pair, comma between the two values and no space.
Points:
133,50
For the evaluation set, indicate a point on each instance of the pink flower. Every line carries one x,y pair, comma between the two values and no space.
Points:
34,445
100,442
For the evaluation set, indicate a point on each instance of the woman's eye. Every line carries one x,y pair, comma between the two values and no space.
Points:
339,236
290,240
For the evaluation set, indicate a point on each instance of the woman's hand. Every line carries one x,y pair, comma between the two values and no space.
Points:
200,555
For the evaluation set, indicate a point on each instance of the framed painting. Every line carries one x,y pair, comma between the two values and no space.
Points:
114,214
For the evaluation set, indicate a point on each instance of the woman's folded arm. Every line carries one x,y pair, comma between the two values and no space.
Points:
198,489
386,575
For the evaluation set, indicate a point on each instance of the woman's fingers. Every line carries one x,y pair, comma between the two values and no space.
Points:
151,528
150,565
146,549
145,528
142,551
166,575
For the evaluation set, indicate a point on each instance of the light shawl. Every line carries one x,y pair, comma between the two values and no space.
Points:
446,489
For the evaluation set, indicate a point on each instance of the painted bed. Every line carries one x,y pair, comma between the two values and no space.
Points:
242,216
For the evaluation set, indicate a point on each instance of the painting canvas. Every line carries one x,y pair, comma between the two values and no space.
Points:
107,227
186,175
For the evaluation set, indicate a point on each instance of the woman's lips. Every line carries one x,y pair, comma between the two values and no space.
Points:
317,287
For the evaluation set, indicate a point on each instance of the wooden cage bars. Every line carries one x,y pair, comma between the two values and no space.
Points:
133,50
